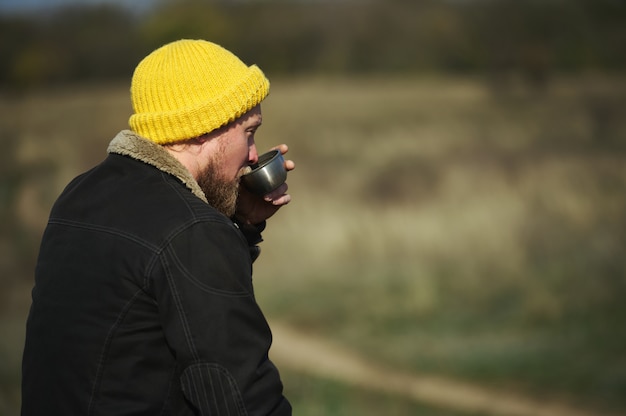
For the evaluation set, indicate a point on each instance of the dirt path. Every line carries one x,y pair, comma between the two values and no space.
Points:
319,357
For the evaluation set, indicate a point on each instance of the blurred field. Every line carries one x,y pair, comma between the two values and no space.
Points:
439,226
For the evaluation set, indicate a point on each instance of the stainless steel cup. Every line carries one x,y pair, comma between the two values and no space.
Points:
266,175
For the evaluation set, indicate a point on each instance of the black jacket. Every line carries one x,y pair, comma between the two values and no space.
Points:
143,301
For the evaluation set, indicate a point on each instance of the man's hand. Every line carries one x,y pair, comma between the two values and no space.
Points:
254,209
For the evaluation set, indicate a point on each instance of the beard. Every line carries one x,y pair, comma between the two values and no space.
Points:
221,193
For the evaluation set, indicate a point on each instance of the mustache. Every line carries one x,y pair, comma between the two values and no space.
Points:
244,171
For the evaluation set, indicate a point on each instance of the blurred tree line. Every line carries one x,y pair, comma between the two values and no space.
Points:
530,38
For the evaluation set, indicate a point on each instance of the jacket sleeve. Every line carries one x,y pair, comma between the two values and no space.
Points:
213,324
252,233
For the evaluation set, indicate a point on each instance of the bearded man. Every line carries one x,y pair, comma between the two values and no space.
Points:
143,301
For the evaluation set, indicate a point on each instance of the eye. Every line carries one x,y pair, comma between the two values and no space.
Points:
251,131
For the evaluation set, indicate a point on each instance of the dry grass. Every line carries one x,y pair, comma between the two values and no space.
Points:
438,226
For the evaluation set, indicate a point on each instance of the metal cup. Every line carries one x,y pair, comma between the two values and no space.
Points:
266,175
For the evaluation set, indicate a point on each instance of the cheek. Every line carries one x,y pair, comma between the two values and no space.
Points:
235,155
245,145
243,153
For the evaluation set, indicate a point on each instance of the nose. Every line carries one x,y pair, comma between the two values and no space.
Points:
253,156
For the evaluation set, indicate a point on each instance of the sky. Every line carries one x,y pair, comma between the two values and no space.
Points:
23,6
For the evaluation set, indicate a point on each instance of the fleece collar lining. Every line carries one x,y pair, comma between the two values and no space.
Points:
128,143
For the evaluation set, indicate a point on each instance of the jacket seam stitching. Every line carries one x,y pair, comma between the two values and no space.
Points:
169,390
232,383
107,230
107,344
202,286
180,310
178,190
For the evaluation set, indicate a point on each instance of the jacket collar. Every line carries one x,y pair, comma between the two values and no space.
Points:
128,143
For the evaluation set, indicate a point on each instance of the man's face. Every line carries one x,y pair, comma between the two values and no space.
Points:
236,150
237,144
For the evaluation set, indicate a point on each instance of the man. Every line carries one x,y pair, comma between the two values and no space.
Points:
143,301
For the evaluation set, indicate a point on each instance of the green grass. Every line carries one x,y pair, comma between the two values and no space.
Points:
435,226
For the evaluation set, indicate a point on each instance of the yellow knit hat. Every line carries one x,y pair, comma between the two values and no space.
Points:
190,87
